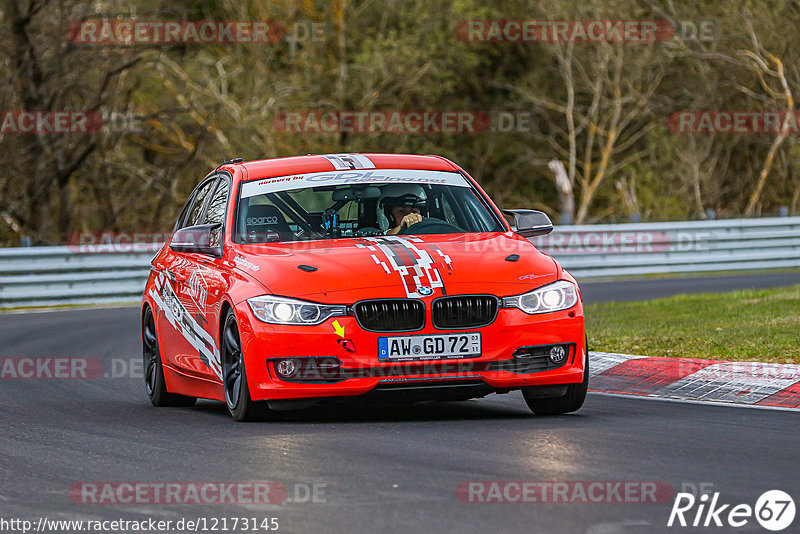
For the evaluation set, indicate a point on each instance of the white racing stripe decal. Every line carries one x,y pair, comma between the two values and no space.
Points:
185,324
408,257
349,161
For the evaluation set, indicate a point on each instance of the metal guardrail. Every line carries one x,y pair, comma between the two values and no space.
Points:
675,247
45,276
48,276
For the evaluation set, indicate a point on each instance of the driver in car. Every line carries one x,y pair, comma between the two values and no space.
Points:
400,207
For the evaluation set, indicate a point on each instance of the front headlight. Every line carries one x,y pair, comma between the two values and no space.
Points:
552,297
282,310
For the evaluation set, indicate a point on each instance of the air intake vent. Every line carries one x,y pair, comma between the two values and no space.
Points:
390,315
532,360
465,311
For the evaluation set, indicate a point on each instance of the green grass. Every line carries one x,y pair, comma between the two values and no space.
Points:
751,325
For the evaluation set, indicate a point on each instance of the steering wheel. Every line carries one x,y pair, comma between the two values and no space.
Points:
431,225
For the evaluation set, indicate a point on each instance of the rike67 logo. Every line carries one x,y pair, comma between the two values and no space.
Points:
774,510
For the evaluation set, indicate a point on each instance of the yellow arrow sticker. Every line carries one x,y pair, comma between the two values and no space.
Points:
339,329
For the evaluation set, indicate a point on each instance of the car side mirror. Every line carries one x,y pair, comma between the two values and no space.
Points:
200,239
530,223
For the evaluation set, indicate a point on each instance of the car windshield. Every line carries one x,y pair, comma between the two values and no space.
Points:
360,203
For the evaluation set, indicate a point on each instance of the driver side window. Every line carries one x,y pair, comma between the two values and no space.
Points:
196,211
218,204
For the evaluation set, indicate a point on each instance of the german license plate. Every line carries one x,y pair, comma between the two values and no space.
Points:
430,347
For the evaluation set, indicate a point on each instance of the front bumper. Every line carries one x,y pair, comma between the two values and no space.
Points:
360,372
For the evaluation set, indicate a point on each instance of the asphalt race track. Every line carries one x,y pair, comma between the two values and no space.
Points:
376,468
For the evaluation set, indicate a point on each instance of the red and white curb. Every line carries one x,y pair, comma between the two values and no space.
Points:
750,383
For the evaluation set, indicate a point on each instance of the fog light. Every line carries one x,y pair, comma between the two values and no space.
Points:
286,368
557,354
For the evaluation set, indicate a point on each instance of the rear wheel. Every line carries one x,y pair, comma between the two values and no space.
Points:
234,376
154,382
571,401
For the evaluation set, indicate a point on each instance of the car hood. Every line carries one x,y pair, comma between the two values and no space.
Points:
350,269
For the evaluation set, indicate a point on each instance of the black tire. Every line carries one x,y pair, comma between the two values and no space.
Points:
154,383
234,376
570,402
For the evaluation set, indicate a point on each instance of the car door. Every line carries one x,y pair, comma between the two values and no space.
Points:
207,283
187,344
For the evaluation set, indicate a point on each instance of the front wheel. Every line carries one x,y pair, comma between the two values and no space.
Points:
154,382
234,376
571,401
